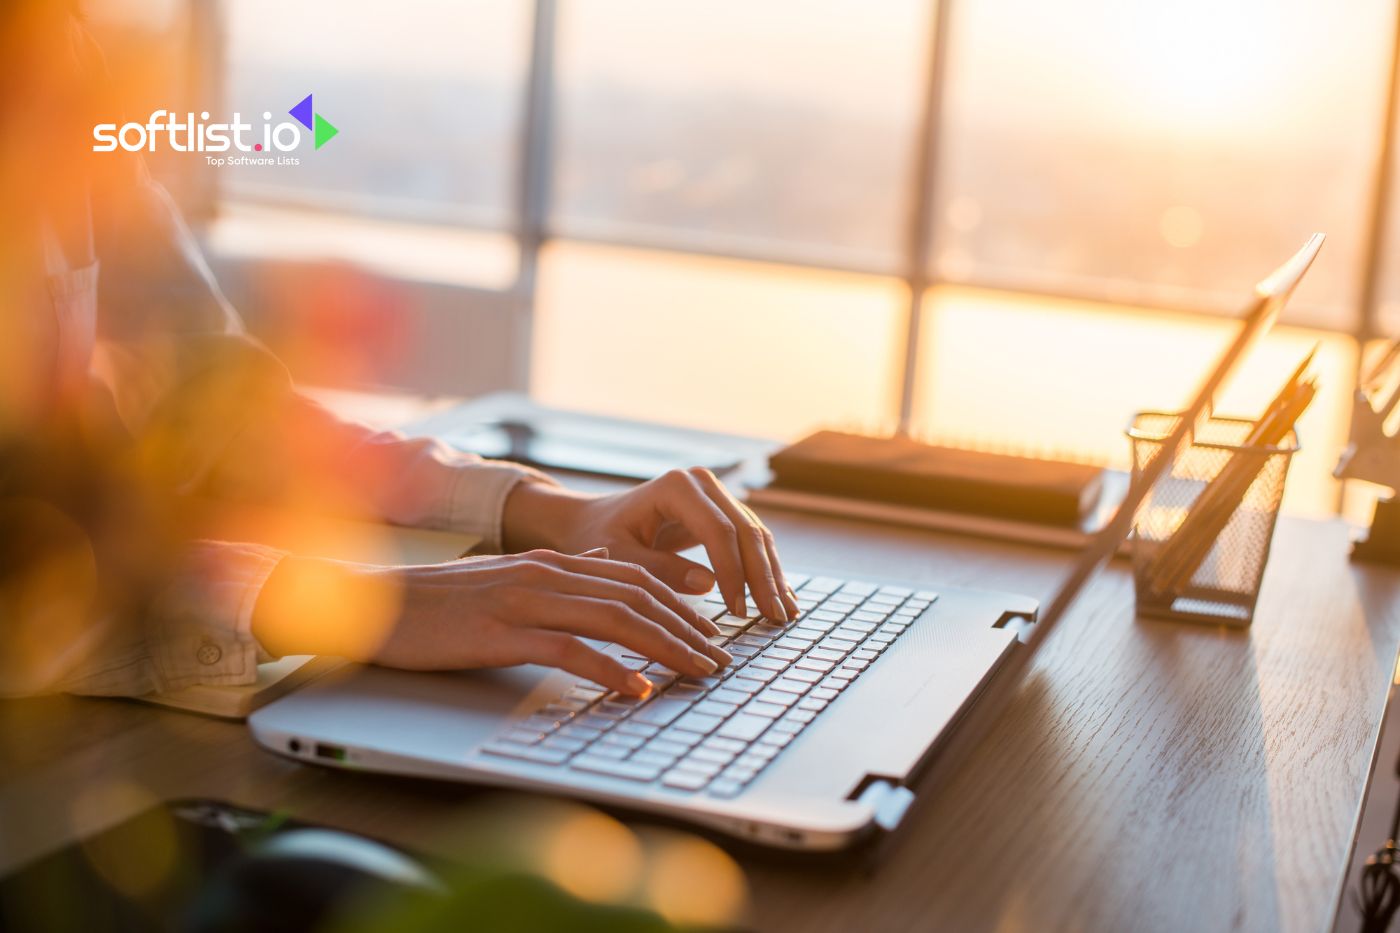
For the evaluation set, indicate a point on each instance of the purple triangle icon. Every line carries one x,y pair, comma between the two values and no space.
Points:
302,112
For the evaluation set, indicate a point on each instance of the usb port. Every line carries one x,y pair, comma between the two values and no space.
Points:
332,752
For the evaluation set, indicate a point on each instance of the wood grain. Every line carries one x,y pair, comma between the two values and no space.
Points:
1146,775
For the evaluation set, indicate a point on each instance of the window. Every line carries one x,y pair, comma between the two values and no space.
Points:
434,87
1162,152
722,236
777,129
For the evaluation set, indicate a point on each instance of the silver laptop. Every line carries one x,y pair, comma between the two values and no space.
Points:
811,739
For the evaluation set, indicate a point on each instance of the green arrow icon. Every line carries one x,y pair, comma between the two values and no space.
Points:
324,131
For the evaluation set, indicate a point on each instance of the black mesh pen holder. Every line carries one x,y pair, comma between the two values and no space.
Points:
1201,538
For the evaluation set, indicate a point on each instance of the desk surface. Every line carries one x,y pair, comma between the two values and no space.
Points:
1146,776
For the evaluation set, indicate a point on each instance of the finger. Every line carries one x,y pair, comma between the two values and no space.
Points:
753,549
556,649
789,596
685,502
675,571
614,621
634,585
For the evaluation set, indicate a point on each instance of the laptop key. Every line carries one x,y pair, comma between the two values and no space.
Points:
715,708
648,757
621,740
631,770
736,692
564,744
666,747
698,722
761,674
726,788
767,662
781,698
745,727
707,768
681,779
661,712
602,750
681,737
767,710
580,732
728,745
716,755
645,730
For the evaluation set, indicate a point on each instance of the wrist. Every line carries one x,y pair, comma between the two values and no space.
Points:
316,606
540,515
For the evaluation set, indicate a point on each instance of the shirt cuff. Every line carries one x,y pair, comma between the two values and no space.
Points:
202,625
477,499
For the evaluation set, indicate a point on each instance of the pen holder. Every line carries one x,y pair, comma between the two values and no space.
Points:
1201,538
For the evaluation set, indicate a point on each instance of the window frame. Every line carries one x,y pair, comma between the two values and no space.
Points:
534,166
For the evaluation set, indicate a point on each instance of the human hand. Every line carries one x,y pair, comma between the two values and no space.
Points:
529,608
646,525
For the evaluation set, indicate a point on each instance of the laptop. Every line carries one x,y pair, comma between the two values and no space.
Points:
812,739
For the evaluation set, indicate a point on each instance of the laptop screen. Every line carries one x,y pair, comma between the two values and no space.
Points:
1270,295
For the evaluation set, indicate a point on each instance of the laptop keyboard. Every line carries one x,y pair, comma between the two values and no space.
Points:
716,734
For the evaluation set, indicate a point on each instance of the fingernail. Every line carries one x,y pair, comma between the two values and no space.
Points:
705,625
708,665
737,607
638,685
595,552
780,611
699,579
722,657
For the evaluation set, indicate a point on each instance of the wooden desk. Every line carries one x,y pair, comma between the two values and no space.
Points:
1148,776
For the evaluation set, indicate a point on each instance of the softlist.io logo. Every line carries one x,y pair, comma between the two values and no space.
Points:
199,135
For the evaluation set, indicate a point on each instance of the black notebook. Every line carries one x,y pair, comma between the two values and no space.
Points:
903,471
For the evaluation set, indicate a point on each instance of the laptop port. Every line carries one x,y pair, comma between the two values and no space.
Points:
330,752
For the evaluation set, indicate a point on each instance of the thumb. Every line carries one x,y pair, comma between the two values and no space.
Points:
681,575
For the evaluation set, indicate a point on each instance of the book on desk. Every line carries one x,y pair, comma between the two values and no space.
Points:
903,481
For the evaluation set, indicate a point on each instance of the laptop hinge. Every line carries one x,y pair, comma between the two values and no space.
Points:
889,801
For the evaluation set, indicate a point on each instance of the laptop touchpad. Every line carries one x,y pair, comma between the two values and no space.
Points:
426,715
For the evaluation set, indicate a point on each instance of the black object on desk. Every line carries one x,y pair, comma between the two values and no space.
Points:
904,471
617,452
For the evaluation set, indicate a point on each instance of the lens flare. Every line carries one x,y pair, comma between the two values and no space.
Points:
593,857
691,881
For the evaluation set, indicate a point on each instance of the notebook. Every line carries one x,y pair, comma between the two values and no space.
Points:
903,471
907,482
